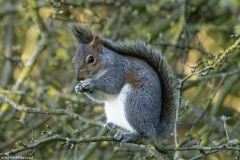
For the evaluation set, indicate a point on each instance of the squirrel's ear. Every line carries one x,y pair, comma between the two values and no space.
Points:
96,44
76,44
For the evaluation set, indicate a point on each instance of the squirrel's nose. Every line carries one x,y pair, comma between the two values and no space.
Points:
80,78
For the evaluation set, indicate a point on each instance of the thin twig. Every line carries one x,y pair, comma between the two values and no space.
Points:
51,111
180,99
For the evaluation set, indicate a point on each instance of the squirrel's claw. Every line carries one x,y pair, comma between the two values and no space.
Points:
119,136
126,137
78,88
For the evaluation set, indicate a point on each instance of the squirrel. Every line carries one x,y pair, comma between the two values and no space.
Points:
132,79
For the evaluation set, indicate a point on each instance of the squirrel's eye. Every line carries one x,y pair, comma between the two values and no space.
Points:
90,59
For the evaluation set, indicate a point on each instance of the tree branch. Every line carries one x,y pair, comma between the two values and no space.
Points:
51,111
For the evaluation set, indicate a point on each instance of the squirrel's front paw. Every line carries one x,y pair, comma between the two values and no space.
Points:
84,86
79,88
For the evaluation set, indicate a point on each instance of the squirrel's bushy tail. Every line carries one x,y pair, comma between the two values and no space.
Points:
84,34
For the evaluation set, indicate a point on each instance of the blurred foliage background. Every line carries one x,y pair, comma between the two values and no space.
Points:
36,70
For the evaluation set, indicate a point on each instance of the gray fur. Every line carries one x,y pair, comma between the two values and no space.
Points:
150,109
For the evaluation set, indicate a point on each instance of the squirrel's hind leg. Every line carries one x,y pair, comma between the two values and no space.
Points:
111,125
126,137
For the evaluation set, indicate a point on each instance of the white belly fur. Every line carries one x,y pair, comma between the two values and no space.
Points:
114,109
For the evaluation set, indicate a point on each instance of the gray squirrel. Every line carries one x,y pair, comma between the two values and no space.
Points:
132,79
